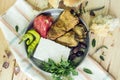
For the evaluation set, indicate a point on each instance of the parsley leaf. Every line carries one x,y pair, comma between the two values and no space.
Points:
93,42
102,57
74,72
16,28
87,70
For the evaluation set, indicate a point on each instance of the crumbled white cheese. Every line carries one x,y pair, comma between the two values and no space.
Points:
103,25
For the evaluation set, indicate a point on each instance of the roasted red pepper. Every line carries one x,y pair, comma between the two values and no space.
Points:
42,24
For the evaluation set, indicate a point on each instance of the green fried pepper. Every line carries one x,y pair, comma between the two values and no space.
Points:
28,38
31,39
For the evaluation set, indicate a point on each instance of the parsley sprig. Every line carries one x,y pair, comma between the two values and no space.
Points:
60,71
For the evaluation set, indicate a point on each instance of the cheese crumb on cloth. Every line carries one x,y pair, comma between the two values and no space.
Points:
104,25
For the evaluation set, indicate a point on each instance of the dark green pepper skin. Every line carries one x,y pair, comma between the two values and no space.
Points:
32,39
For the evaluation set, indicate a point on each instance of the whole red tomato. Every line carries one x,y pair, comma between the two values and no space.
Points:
42,24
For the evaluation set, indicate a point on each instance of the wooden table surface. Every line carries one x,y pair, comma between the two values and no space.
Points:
5,5
9,69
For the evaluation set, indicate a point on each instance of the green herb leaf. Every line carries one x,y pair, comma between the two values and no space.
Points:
86,3
64,63
87,70
51,62
74,72
103,46
102,57
56,77
59,70
96,9
16,28
93,42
